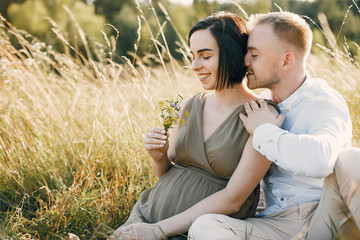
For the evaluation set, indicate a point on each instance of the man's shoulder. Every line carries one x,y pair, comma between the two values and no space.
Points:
319,84
322,91
322,101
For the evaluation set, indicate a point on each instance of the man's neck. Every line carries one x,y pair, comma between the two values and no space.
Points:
288,86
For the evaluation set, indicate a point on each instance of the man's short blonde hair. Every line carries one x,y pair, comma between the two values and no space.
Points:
288,27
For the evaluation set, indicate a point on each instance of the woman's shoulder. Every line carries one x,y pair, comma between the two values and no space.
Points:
193,103
199,97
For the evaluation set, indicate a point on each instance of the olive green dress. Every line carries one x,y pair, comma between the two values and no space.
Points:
201,168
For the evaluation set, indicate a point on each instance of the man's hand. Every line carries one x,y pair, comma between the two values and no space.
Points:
257,115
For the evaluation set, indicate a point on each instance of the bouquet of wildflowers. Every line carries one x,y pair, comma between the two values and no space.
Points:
170,110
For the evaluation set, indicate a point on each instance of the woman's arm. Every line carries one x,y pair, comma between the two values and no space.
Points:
247,175
161,147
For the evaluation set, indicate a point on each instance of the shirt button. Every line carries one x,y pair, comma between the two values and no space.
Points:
275,160
259,147
271,183
281,199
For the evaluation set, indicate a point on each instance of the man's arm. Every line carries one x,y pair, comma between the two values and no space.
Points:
312,152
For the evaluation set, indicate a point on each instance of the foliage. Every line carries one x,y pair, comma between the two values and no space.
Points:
125,17
45,19
4,5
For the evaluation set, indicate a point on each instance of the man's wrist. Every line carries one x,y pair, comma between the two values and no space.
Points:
261,135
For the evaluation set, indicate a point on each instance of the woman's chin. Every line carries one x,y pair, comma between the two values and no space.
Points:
207,86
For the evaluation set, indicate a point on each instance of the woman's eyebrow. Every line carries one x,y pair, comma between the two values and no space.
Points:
203,50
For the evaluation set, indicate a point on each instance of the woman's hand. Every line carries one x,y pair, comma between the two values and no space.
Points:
143,231
156,143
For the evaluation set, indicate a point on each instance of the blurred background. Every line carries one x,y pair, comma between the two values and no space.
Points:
39,16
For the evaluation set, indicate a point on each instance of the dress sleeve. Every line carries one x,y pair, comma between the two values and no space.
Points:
270,102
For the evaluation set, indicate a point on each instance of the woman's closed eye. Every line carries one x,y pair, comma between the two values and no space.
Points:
204,57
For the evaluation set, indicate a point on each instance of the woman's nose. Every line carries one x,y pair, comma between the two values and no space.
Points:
195,64
247,59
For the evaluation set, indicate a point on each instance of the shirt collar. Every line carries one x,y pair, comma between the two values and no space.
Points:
296,97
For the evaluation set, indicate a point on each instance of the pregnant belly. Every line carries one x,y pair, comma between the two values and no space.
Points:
177,190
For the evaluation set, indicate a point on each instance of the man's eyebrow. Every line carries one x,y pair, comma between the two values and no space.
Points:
251,48
203,50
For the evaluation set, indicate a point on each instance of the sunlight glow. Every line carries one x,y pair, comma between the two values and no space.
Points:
189,2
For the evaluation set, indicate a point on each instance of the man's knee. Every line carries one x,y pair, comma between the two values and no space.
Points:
202,225
348,163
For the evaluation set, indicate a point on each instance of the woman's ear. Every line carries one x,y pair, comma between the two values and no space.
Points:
288,60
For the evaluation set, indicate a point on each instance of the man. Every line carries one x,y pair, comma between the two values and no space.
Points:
316,129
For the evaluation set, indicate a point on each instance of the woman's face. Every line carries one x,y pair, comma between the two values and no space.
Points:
205,52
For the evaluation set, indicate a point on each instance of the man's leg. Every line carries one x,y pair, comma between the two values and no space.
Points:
338,213
283,225
221,227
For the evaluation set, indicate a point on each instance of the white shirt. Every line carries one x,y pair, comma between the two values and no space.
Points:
317,126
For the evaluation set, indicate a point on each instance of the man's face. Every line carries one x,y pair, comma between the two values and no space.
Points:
264,58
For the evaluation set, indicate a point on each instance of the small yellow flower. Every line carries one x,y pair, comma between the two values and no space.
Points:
187,114
170,109
167,122
170,112
182,121
161,104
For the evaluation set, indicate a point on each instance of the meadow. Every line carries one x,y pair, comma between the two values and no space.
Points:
71,129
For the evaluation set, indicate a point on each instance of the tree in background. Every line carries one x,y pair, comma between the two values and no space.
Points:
131,19
343,21
283,4
38,17
341,17
4,5
110,8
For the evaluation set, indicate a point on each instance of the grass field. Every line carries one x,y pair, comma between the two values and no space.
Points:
71,130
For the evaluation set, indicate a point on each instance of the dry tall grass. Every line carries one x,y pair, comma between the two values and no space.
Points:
71,152
71,130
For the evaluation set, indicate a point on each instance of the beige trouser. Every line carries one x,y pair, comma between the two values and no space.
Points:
336,216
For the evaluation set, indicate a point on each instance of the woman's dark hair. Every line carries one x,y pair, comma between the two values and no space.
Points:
231,33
